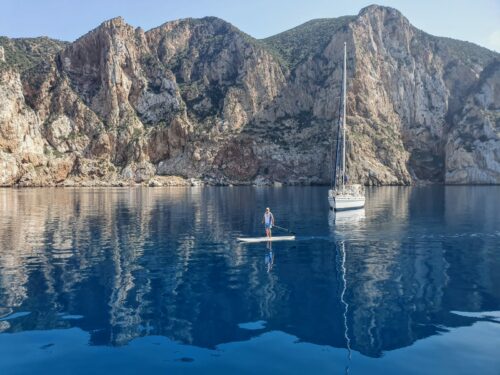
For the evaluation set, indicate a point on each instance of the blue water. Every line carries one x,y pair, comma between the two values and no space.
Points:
152,280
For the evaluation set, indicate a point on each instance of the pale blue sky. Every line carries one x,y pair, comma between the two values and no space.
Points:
476,21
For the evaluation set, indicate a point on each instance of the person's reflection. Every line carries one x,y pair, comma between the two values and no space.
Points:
269,258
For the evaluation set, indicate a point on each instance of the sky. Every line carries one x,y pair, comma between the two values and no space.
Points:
476,21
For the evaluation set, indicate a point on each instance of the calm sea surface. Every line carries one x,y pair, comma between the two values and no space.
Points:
152,280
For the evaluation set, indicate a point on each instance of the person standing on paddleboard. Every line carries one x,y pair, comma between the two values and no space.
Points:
268,221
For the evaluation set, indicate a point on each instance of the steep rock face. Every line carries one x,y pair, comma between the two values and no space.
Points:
20,139
405,88
200,99
225,78
24,157
473,145
164,102
421,85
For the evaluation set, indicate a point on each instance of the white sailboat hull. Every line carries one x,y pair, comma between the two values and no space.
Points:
340,201
346,203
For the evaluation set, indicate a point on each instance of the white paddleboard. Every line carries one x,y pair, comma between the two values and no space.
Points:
265,239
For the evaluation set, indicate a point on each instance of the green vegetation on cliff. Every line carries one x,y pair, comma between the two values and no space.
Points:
24,53
299,43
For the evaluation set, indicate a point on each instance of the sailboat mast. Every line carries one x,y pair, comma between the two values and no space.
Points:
343,115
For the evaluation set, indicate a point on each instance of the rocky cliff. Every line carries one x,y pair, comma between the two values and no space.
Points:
198,98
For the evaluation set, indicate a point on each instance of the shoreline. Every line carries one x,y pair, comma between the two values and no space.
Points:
177,181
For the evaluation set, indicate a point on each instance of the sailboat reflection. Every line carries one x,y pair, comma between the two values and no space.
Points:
342,221
269,258
346,222
346,217
342,273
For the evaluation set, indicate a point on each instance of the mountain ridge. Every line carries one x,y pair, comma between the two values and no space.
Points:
201,99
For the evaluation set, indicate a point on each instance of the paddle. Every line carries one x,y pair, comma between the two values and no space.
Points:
288,230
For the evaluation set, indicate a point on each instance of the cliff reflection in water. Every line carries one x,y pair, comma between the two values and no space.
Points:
124,263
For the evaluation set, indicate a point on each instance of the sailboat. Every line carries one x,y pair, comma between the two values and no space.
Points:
341,195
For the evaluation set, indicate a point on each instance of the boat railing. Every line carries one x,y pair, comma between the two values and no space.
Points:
354,190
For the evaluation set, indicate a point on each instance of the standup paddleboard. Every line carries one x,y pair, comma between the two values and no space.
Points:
265,239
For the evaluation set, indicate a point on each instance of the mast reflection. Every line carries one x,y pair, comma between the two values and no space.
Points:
343,272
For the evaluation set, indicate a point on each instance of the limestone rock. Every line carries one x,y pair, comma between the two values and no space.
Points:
199,99
8,169
159,181
138,172
473,146
237,160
